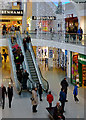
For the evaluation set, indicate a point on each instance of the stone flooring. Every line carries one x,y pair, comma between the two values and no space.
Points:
21,105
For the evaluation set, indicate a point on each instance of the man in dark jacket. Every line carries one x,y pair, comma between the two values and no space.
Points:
28,39
3,88
64,85
25,78
10,94
40,91
62,99
58,114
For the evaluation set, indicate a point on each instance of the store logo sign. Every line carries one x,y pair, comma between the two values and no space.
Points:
11,12
82,59
43,18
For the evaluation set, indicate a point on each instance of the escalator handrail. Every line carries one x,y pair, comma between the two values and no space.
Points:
46,90
40,71
22,48
13,65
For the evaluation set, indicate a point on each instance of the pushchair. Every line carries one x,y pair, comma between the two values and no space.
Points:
0,96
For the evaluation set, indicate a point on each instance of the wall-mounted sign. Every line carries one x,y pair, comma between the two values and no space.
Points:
43,18
11,12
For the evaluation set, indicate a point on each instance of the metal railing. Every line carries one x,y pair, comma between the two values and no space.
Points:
30,83
17,83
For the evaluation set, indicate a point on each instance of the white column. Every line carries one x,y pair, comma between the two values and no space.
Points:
24,19
69,65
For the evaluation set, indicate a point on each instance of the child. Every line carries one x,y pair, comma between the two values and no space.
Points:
75,92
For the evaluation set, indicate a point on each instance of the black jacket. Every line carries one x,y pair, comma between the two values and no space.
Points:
10,92
28,40
64,85
40,89
3,91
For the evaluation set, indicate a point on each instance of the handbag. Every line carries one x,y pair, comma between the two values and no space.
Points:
31,98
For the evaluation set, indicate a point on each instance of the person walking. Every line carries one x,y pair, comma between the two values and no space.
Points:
62,98
34,99
64,85
3,89
50,99
10,94
40,92
75,93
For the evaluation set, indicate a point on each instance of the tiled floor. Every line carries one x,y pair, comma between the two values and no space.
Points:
21,105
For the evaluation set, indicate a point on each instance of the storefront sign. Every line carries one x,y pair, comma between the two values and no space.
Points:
11,12
43,18
82,59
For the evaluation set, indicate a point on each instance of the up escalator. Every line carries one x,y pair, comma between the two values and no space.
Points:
33,68
17,83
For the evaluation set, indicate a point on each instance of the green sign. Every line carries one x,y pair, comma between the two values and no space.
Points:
82,59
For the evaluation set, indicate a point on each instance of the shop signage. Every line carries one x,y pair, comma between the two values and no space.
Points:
82,59
69,16
43,18
11,12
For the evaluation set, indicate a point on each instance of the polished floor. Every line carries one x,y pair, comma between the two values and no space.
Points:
21,105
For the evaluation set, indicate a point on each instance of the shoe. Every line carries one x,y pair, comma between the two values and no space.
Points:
41,100
66,101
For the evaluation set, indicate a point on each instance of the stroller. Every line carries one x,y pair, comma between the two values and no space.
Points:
0,96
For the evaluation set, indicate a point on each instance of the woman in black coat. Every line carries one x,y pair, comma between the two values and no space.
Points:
40,92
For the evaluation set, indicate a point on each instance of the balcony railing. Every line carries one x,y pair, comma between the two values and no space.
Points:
73,38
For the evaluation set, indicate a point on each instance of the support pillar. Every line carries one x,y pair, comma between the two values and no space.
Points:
24,19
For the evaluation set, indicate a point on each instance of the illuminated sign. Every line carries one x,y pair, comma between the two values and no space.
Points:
43,18
11,12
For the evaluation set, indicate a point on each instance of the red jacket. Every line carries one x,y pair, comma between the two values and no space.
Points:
50,98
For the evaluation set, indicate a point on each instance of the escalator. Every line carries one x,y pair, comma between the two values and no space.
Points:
17,84
33,68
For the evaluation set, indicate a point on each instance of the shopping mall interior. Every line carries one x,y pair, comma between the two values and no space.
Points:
42,42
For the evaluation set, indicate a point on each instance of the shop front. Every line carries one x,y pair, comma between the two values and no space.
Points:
11,18
71,23
78,70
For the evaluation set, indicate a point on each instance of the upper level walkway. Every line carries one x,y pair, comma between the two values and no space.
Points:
66,41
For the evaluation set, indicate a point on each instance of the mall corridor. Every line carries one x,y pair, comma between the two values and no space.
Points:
21,105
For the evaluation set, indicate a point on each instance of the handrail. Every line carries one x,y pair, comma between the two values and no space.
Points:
17,83
40,72
37,68
25,62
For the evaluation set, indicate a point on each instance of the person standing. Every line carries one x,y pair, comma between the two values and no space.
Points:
40,92
5,56
28,39
62,98
24,44
25,78
50,99
10,94
34,99
80,32
64,85
75,93
3,88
